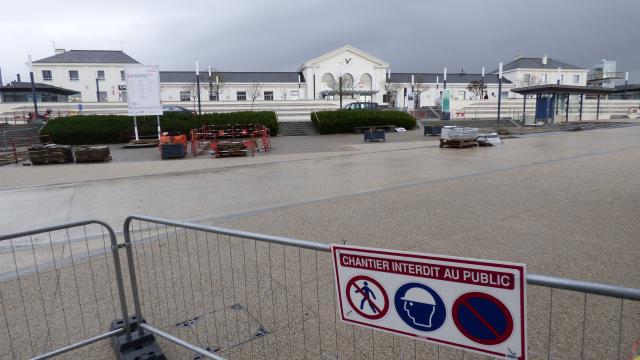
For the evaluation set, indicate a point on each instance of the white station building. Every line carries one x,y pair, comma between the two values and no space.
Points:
99,76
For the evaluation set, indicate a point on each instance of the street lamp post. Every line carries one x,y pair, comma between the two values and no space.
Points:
210,85
499,92
97,89
198,85
482,86
33,87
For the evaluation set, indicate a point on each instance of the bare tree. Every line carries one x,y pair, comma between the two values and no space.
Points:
216,84
477,88
284,92
343,86
418,88
391,89
192,89
253,92
531,80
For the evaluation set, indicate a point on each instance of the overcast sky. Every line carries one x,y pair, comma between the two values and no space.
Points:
277,35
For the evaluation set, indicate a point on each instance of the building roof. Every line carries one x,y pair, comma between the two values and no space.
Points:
232,77
562,89
451,78
15,86
626,88
89,57
536,63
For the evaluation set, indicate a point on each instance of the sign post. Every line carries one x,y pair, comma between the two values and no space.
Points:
470,304
143,93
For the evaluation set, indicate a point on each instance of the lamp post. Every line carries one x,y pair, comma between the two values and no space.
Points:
33,87
482,85
198,85
499,91
210,84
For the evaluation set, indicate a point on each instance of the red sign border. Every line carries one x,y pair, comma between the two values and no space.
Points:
520,269
383,311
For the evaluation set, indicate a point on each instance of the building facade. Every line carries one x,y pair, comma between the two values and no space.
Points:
532,71
97,74
346,72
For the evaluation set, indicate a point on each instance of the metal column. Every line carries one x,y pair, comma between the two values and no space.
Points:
581,101
598,108
566,114
524,109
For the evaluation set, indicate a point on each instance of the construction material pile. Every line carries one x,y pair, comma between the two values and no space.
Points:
50,154
92,154
231,148
459,133
458,137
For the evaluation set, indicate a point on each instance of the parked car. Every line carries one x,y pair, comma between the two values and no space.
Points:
362,106
176,108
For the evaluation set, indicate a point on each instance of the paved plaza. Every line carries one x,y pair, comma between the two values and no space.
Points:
565,203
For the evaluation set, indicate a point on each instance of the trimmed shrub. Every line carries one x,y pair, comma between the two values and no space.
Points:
115,129
343,121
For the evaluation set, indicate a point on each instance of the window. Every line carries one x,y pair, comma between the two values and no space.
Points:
100,74
46,75
526,78
122,76
241,95
268,95
103,96
213,96
73,75
544,78
294,95
576,79
327,82
385,98
366,82
185,95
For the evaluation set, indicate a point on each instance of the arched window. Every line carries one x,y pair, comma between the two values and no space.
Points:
327,82
365,82
347,81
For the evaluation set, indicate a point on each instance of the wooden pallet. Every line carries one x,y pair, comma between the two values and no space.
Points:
458,144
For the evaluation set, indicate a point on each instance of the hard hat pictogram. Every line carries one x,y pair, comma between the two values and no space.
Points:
420,307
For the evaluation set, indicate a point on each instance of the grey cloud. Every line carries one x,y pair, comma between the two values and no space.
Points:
279,35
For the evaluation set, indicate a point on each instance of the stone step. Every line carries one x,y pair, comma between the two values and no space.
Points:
297,128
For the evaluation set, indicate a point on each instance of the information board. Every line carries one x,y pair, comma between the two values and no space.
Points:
143,90
471,304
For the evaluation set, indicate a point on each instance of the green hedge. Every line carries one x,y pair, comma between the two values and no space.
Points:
115,129
343,121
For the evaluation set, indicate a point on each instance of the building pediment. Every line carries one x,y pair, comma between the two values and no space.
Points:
346,55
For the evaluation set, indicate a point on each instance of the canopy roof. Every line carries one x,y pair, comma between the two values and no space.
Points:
563,89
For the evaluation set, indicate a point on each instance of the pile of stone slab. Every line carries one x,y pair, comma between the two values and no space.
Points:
50,154
92,154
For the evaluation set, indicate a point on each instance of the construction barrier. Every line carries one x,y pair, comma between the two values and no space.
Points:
212,292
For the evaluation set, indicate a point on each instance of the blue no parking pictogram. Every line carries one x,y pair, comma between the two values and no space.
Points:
482,318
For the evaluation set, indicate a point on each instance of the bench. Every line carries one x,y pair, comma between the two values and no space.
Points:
361,129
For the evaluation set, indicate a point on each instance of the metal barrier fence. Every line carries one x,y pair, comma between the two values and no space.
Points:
219,293
247,295
60,288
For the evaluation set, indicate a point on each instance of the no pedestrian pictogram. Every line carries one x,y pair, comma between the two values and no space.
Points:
367,297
